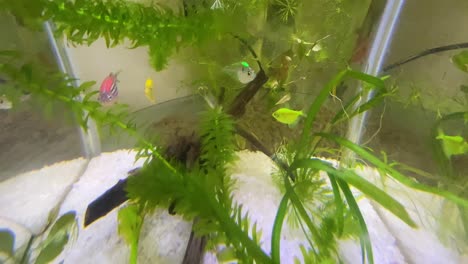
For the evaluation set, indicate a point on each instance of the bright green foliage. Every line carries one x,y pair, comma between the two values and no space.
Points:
203,192
130,223
217,151
161,28
453,145
64,229
156,26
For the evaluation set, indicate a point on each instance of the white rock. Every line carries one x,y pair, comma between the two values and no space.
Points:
28,198
164,238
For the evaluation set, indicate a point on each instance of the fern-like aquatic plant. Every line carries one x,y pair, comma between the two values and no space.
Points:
155,26
203,192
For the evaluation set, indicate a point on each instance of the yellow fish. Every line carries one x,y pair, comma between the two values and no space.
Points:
149,90
287,116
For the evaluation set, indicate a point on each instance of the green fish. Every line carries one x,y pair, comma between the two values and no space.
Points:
453,145
240,71
287,116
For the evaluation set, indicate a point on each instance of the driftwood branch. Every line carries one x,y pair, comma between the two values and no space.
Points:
463,45
237,108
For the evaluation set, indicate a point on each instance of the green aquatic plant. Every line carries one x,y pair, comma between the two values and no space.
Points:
130,220
444,148
63,231
156,26
204,191
287,9
48,87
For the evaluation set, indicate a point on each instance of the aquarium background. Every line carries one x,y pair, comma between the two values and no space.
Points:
429,87
28,139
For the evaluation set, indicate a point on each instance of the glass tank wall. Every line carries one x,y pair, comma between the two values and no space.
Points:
429,88
31,137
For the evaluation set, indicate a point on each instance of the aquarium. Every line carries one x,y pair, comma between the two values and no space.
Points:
247,131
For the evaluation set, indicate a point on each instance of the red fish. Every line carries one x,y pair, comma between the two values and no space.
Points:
109,92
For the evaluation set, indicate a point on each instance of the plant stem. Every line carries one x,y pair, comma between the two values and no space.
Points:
277,226
395,174
237,108
232,229
314,109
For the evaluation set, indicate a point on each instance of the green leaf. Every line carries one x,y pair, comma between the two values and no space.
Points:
64,223
227,254
452,145
361,184
277,226
392,172
377,83
89,95
130,223
52,250
86,85
340,206
460,60
364,238
64,227
7,242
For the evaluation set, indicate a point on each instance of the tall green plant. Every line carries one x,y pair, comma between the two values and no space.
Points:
303,166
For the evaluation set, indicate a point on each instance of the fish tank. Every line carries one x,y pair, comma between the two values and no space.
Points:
222,131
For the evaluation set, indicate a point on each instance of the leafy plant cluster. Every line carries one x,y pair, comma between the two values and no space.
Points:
203,192
156,26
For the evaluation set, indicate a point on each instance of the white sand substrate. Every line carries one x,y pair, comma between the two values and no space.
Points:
26,200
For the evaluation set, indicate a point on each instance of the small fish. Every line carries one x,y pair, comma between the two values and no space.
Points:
287,116
453,145
284,99
240,71
149,90
108,92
